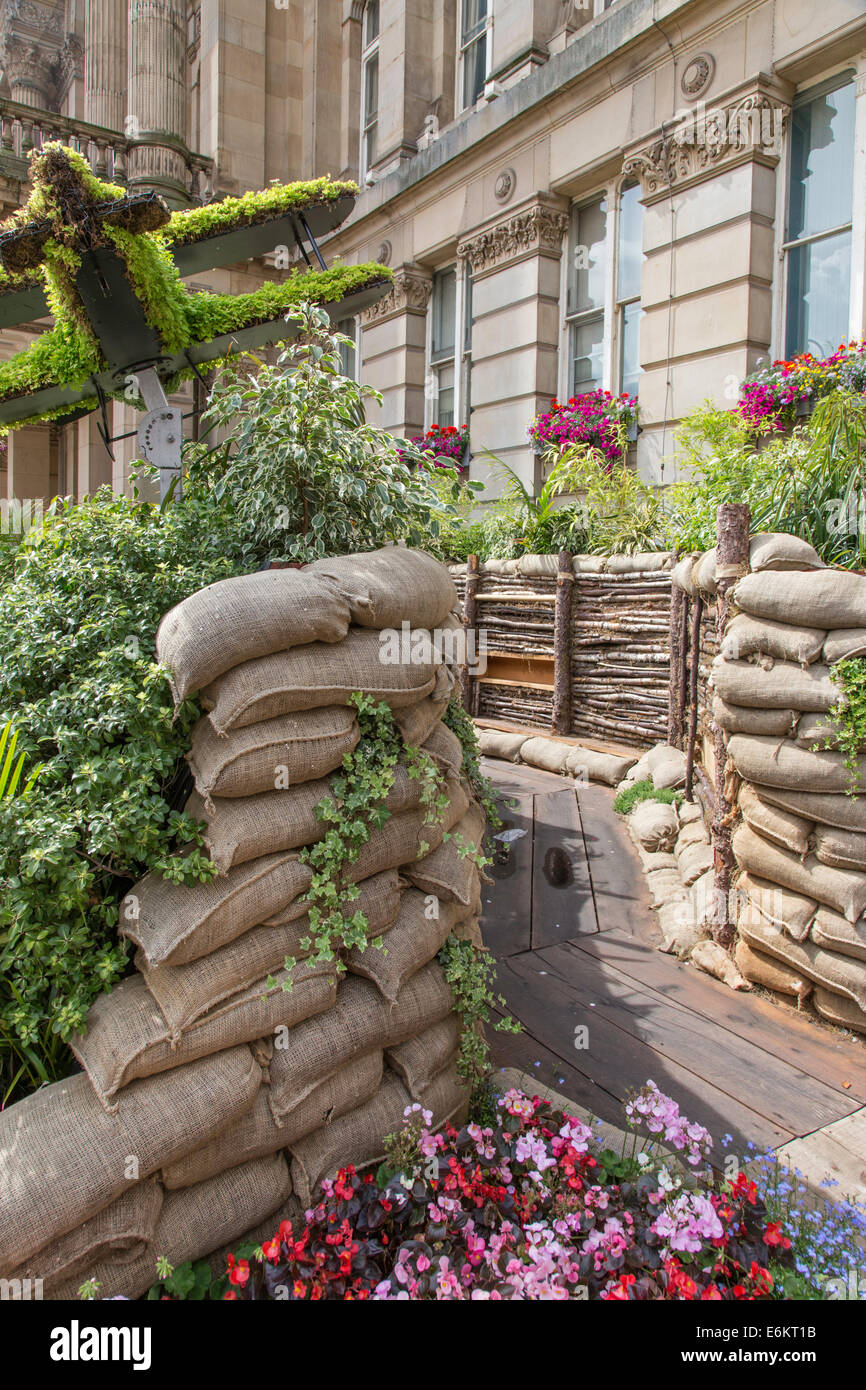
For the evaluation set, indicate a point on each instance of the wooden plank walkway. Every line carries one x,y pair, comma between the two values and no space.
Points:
569,919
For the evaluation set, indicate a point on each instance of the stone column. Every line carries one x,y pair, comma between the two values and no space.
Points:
515,331
105,25
392,350
156,103
30,477
31,36
94,460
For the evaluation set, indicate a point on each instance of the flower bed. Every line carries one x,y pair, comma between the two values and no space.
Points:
771,398
447,445
596,418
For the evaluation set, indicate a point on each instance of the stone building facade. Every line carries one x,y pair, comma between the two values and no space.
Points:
640,195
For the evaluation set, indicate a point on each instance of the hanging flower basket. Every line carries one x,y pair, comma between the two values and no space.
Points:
774,398
596,418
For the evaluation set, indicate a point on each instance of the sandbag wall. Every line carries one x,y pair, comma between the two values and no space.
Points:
614,650
800,837
218,1086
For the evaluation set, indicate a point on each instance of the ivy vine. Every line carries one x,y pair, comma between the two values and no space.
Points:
849,714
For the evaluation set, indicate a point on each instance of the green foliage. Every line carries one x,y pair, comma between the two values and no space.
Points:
849,715
543,525
460,723
471,973
625,801
621,514
194,224
191,1282
304,475
211,315
10,769
78,677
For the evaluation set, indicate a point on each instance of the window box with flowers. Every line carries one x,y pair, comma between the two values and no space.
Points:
607,423
448,446
774,398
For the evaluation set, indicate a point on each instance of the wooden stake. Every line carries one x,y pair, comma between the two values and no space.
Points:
562,644
675,728
469,687
732,562
693,693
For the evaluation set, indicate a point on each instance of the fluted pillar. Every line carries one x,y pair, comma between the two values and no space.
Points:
156,105
105,24
31,36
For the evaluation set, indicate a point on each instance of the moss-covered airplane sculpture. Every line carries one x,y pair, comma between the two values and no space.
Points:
107,266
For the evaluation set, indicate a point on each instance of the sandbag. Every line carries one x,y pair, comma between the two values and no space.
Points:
746,636
449,872
785,686
119,1234
411,942
495,743
179,922
827,598
446,1097
837,1009
587,765
777,550
417,722
839,889
237,620
845,642
185,992
843,849
794,912
550,754
643,562
257,1133
679,928
538,565
817,732
841,974
737,719
770,762
714,959
319,674
128,1038
61,1141
665,886
589,564
445,748
845,812
273,755
704,573
782,827
360,1020
833,933
694,861
764,970
422,1058
663,765
387,587
681,573
197,1220
655,825
357,1138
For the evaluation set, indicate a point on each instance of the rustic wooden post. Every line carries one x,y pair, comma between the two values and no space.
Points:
675,724
732,562
469,690
562,644
693,693
683,680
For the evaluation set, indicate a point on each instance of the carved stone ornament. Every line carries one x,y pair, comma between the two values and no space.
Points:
505,184
704,138
538,229
384,253
410,293
697,75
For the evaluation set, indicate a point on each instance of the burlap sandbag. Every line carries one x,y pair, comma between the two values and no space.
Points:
842,974
387,587
550,754
712,958
237,620
496,743
60,1141
196,1221
845,812
843,643
746,636
357,1138
771,762
119,1234
777,550
764,970
320,674
782,827
587,765
838,888
737,719
422,1058
417,722
681,573
817,732
642,562
257,1133
827,598
833,933
445,748
665,886
663,765
654,825
411,942
538,566
185,992
843,849
837,1009
446,1097
128,1038
794,912
360,1020
450,872
784,686
589,564
180,922
272,756
704,572
694,861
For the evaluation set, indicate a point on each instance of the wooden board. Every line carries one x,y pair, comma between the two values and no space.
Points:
507,902
562,900
622,900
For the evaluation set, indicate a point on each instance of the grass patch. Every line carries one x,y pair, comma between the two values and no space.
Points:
626,800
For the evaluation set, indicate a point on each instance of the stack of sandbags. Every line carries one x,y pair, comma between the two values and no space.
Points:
218,1079
556,755
801,843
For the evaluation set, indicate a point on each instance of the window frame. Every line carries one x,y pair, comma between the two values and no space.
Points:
369,57
464,45
459,362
